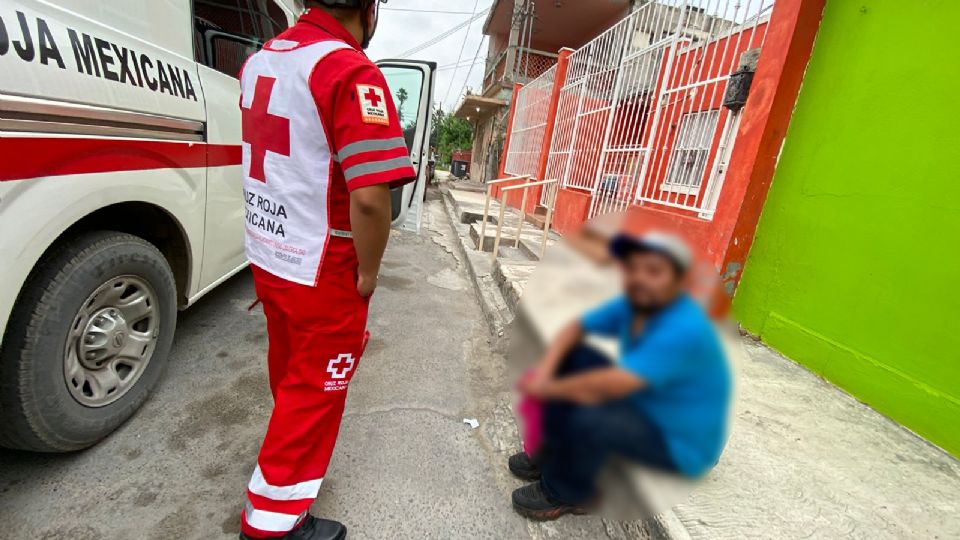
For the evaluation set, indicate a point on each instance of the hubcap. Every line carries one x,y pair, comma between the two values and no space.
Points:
111,341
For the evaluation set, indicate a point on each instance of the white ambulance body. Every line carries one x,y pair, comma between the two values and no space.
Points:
120,194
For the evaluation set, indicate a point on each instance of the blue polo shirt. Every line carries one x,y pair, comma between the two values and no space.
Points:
678,354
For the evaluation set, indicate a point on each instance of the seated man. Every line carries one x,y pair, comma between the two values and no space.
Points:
663,405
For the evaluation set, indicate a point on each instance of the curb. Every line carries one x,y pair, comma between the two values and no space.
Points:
499,313
669,527
495,308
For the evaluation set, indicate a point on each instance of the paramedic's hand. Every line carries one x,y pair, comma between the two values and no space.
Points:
366,285
370,221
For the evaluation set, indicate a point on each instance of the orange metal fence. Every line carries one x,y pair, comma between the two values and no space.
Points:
639,114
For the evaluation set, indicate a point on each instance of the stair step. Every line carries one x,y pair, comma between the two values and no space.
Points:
536,220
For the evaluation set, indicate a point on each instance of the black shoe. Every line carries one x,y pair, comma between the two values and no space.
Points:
532,502
524,467
313,528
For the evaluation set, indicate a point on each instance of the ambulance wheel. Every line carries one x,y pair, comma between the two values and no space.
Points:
87,340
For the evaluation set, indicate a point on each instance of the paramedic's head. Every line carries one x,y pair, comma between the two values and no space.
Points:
358,16
654,267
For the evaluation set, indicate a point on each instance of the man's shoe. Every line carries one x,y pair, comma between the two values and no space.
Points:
532,502
524,467
313,528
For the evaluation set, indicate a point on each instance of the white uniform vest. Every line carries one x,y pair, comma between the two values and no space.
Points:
287,222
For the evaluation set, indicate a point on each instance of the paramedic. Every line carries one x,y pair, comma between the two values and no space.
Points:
322,148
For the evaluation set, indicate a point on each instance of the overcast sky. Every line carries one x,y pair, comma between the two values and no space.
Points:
400,31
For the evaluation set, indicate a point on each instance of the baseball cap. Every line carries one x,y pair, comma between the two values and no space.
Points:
668,245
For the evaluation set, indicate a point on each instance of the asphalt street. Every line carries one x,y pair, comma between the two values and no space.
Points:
406,466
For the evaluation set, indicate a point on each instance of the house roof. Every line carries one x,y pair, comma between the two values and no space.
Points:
560,23
475,106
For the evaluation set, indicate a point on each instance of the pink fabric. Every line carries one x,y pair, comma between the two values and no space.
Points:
530,411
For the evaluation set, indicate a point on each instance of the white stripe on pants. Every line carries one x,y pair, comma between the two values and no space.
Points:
302,490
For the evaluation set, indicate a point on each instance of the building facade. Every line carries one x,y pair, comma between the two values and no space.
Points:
693,120
524,38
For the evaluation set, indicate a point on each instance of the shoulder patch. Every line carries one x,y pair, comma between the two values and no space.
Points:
373,105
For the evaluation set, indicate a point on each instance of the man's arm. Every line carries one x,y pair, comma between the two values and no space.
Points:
566,340
592,387
603,321
370,222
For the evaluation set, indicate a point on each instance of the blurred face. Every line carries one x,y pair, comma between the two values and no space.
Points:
650,281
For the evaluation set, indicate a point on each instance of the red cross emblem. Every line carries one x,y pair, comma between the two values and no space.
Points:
264,131
341,365
372,97
373,105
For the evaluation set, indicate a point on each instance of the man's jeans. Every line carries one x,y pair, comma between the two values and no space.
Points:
581,439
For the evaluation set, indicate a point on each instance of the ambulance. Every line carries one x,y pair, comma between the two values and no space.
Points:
120,194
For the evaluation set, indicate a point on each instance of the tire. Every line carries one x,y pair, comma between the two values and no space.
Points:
50,399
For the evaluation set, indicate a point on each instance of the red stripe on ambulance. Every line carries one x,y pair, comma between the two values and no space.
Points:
31,157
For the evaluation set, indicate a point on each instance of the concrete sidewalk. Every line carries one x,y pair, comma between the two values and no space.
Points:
804,459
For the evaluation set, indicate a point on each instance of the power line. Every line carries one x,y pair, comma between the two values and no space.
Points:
460,65
440,37
466,35
413,10
443,35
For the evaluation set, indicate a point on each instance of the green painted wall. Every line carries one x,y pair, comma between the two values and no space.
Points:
855,269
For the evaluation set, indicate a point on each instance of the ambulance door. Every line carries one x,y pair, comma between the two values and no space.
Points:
227,32
411,83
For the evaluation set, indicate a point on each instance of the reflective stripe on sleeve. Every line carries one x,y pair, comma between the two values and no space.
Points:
372,167
302,490
269,521
371,145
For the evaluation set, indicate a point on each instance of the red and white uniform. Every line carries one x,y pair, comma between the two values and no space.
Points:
318,122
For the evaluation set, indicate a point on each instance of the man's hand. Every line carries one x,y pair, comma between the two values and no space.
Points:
366,285
538,377
533,386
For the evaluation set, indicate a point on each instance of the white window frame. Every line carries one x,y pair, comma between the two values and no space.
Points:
694,137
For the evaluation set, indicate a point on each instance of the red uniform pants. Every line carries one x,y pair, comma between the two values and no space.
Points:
317,335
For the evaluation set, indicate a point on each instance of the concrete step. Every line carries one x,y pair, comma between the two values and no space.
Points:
512,276
538,218
468,206
469,185
530,240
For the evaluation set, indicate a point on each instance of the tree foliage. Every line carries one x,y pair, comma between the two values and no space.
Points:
449,135
402,97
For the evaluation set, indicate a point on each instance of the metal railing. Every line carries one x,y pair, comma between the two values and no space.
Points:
494,71
549,187
690,132
532,63
528,64
486,205
584,99
504,193
640,116
529,123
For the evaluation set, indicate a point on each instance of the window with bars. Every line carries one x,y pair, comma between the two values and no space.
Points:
691,152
